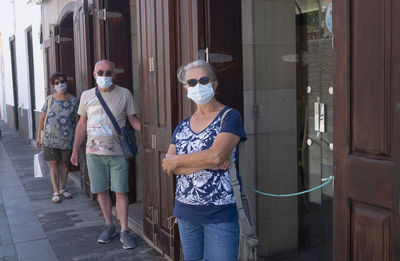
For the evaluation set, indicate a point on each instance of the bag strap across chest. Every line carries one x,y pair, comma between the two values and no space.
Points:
108,111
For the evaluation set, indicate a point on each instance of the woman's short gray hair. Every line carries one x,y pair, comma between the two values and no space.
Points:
182,70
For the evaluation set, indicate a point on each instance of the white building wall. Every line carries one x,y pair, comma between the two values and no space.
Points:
16,17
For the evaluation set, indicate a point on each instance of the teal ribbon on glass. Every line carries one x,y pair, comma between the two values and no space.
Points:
327,181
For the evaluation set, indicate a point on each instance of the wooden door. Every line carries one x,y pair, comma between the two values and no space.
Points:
220,33
14,81
83,72
65,41
366,130
54,65
111,39
31,73
158,96
50,57
111,22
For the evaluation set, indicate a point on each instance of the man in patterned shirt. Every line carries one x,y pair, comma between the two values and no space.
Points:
105,160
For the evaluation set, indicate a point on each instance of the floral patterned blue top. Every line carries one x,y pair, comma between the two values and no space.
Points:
206,196
59,127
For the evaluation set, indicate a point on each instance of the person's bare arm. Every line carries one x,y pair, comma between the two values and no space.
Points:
80,134
212,158
134,122
39,130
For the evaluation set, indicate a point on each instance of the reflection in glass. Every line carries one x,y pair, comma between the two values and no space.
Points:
293,58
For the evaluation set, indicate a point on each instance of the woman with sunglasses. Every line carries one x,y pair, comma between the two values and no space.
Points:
198,154
58,121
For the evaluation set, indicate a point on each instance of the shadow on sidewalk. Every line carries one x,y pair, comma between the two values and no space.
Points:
72,226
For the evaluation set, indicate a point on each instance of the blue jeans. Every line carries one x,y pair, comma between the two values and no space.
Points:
211,242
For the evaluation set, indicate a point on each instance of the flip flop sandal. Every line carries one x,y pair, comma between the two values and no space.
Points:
66,194
56,198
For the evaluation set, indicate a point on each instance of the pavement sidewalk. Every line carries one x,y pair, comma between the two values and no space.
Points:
35,229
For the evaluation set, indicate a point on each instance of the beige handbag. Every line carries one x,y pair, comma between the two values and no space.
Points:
45,119
248,241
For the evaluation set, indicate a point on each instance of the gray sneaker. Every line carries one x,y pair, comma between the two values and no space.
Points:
127,240
108,233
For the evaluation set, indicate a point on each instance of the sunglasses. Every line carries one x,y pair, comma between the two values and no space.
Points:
58,82
193,82
101,73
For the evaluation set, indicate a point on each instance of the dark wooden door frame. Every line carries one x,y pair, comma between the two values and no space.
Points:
14,80
31,75
158,59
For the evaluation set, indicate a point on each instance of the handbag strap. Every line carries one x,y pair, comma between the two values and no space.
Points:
244,221
109,113
234,179
48,108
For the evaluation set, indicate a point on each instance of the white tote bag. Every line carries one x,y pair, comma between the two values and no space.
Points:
40,167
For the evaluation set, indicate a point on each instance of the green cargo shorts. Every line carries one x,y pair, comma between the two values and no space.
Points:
52,154
105,170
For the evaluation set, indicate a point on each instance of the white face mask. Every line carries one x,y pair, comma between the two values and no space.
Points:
201,94
61,87
104,82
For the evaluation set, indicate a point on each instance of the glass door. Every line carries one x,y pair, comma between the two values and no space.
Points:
288,83
314,41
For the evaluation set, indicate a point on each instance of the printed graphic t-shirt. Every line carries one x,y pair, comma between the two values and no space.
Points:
102,138
206,196
59,127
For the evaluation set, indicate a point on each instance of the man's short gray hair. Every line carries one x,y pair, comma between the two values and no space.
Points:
107,61
182,70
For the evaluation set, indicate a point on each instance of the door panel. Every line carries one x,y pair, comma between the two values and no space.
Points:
370,232
366,156
370,105
158,70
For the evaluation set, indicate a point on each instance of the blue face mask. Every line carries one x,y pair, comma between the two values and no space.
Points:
104,82
201,94
61,87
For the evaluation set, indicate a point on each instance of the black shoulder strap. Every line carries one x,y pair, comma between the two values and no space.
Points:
109,113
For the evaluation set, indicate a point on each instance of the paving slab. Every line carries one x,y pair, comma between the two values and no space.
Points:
35,250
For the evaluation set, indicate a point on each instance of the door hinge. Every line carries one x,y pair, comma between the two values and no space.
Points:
151,64
63,39
103,14
153,141
57,38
